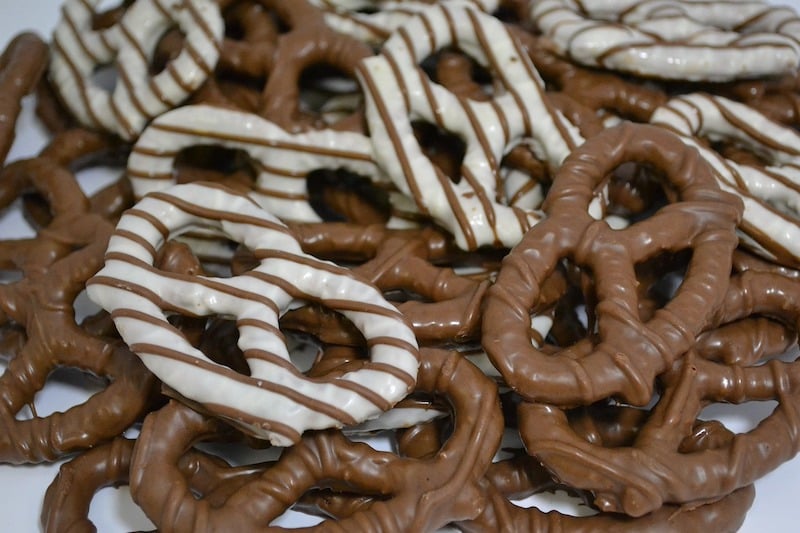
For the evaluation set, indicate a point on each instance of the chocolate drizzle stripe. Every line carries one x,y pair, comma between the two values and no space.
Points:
256,141
429,33
137,239
260,324
128,86
276,193
147,175
78,35
751,132
287,392
154,151
217,286
450,25
483,141
483,198
176,76
150,219
398,77
279,171
238,417
501,116
456,208
217,214
386,118
208,33
77,77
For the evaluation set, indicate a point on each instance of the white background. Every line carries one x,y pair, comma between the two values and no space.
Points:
22,487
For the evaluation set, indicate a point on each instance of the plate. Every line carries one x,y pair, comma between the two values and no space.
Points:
22,487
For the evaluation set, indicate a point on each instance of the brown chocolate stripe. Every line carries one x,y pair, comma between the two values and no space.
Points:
289,393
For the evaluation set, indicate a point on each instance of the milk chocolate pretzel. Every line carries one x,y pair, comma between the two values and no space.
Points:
21,65
42,302
624,355
415,495
275,400
78,49
657,468
770,189
404,260
68,498
398,93
676,39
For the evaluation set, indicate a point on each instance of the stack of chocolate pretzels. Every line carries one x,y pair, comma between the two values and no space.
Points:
523,244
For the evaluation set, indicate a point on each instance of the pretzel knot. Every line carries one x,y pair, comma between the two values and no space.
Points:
398,92
412,494
770,191
138,96
674,39
659,466
624,354
275,401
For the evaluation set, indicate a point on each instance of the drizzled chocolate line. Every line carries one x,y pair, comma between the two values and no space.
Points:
274,394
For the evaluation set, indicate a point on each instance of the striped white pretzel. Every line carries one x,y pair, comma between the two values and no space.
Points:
696,40
78,51
348,16
282,160
397,92
276,401
771,193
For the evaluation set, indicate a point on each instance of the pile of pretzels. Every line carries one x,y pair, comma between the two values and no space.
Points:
523,244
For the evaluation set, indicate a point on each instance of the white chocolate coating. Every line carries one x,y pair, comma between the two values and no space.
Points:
281,159
138,96
275,401
398,92
771,194
695,40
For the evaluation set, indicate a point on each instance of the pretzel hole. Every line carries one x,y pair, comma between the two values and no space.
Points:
659,279
461,74
108,12
65,387
739,418
114,505
635,191
168,47
233,168
328,92
444,149
105,77
561,500
340,195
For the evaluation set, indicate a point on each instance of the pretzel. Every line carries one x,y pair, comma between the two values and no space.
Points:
403,260
660,469
42,303
282,160
674,39
138,97
398,92
275,401
21,65
375,27
770,192
624,356
68,497
418,495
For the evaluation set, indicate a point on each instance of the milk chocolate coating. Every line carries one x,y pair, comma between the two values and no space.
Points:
420,495
21,65
655,469
626,355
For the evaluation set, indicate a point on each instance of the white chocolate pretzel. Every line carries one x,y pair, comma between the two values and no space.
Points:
695,40
78,51
348,16
282,160
398,92
771,194
276,401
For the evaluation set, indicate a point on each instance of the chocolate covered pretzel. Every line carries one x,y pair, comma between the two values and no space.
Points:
708,41
275,401
625,354
416,495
